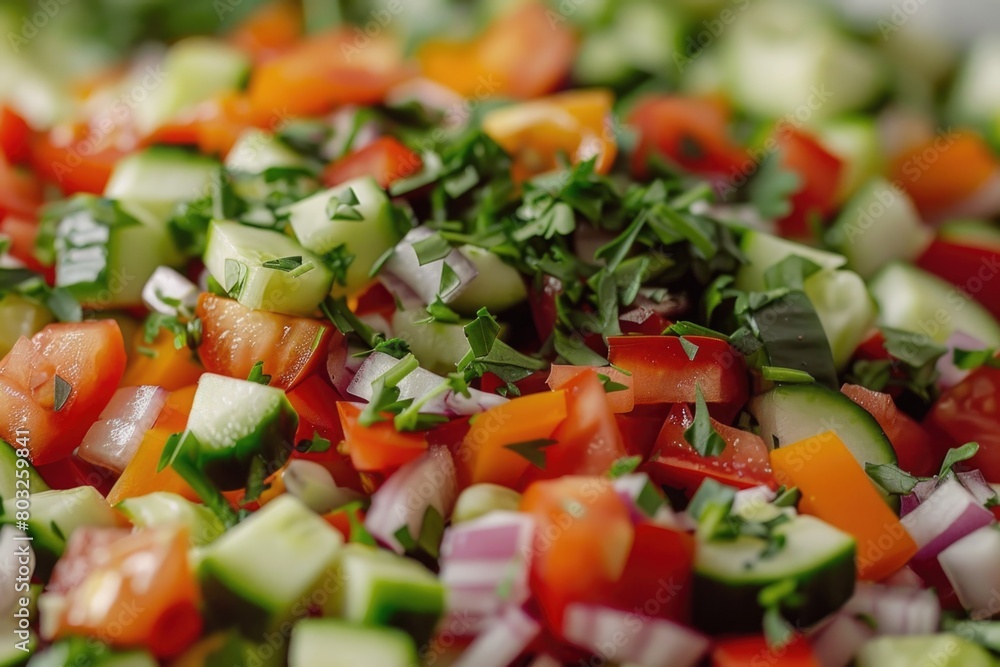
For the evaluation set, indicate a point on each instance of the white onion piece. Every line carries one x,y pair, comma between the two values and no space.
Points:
404,276
419,383
654,642
113,439
313,484
948,373
972,565
837,642
482,558
748,499
165,283
633,490
17,560
342,123
500,645
949,514
428,481
432,95
341,363
896,610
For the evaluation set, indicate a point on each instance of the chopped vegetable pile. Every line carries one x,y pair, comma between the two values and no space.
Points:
623,332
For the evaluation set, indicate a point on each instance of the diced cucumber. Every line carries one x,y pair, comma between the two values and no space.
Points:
845,309
366,238
943,650
917,301
975,97
790,413
228,650
20,317
271,567
161,508
765,250
730,574
194,70
159,177
12,656
106,263
334,643
236,421
878,226
785,56
975,233
438,346
498,286
31,481
258,150
381,588
856,142
235,254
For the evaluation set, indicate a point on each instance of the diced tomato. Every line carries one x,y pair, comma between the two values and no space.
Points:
537,134
657,577
583,540
662,372
743,463
945,170
234,338
74,161
639,319
619,400
20,192
376,300
913,444
132,590
15,135
641,426
71,472
379,447
970,412
522,54
269,30
22,233
161,364
542,299
819,174
690,132
315,402
484,455
385,159
744,651
588,441
88,357
325,71
968,267
215,125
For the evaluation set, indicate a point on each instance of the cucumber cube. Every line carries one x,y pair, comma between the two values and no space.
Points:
333,643
158,178
161,508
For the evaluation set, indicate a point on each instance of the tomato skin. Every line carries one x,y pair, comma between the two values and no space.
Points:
663,373
234,338
315,402
583,539
385,159
819,172
15,135
379,447
20,192
657,578
744,651
89,356
914,446
968,412
74,165
963,266
641,426
690,132
743,463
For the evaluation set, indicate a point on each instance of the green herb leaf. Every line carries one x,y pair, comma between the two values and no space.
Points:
913,348
339,260
790,375
482,333
431,249
610,386
255,480
957,455
235,278
690,349
284,263
771,189
394,347
532,450
701,434
624,466
342,207
429,540
971,359
63,389
317,445
257,374
791,272
891,478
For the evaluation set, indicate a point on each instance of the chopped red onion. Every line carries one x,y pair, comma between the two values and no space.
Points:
404,276
948,373
838,640
949,514
972,565
896,610
976,484
428,481
484,565
341,363
113,439
920,493
904,577
615,636
420,383
503,642
168,285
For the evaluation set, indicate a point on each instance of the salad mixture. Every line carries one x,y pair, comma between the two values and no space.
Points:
415,334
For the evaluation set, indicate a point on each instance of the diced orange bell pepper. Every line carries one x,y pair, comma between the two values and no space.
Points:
945,170
161,364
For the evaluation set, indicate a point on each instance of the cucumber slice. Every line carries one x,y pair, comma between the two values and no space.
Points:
162,508
20,317
878,226
856,142
790,413
333,643
498,286
765,250
975,97
845,309
236,421
160,177
31,481
235,254
258,150
917,301
730,574
381,588
271,567
194,70
367,239
942,650
438,346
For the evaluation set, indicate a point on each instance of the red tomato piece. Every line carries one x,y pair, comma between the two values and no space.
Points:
913,444
970,268
315,402
234,338
88,356
970,412
22,233
662,372
641,426
744,651
15,135
657,577
385,159
20,192
819,173
379,447
75,163
620,400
